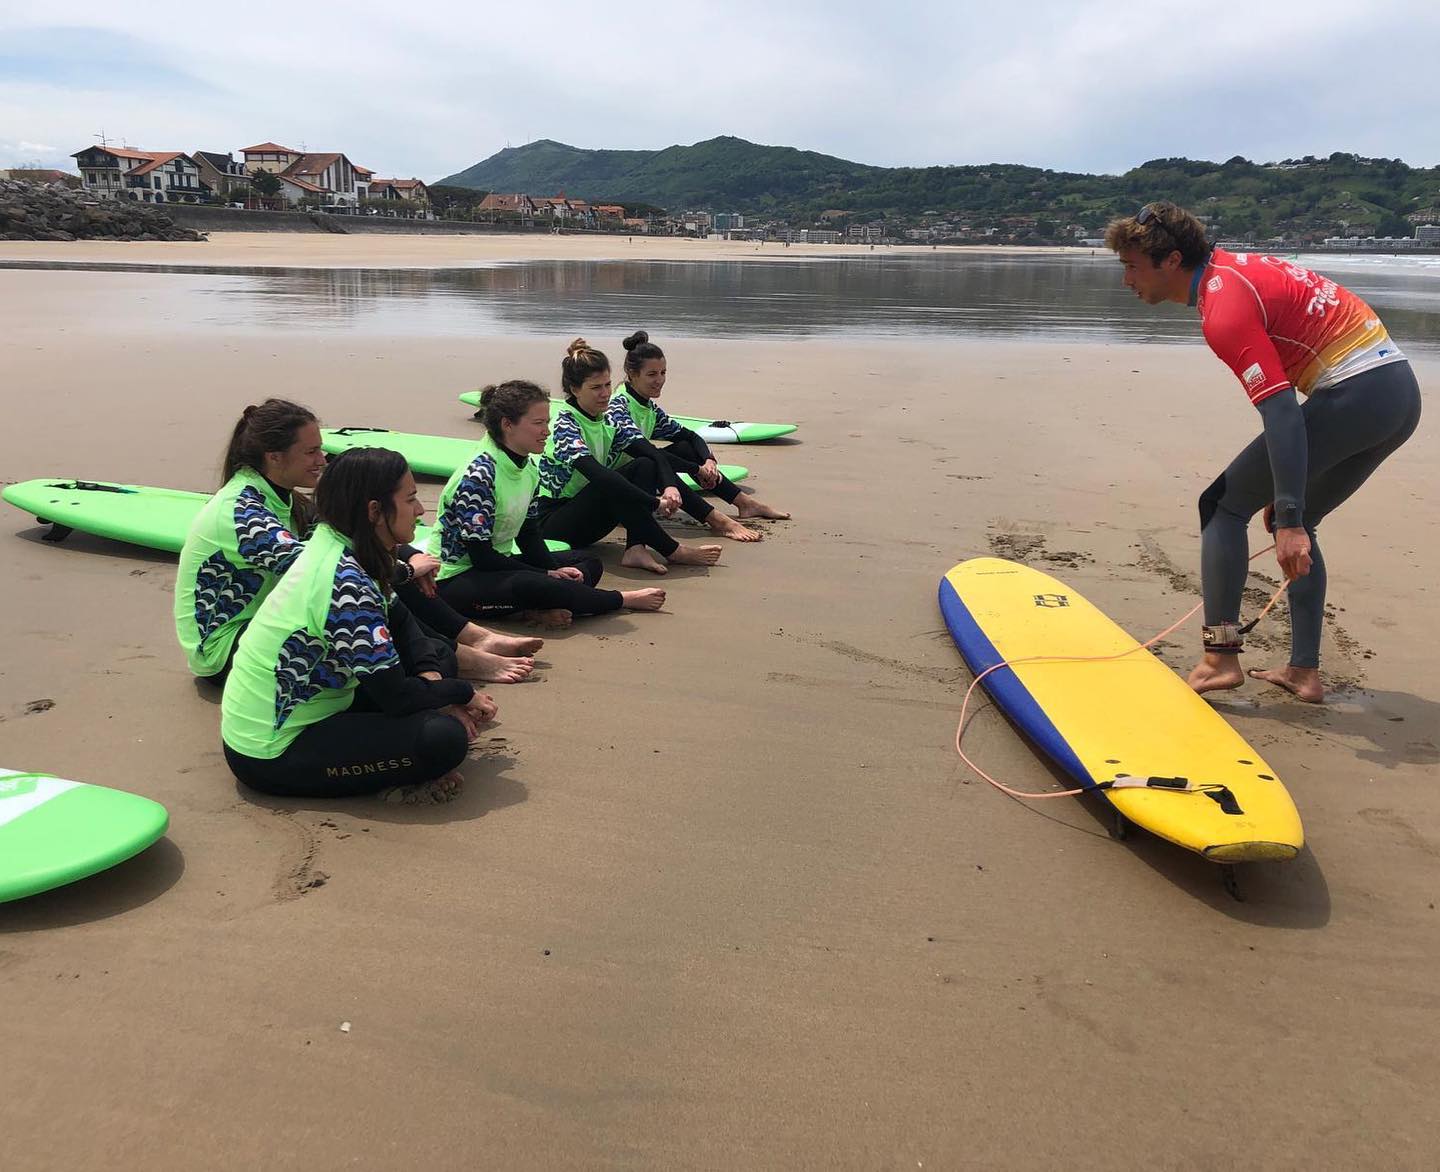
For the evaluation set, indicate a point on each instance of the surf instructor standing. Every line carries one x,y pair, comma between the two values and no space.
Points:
1335,396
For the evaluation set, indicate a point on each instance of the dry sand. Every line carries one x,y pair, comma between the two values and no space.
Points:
362,250
718,892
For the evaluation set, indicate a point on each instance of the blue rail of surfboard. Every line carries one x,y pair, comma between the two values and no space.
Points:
1004,685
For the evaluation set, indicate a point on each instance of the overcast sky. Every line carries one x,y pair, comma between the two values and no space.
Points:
426,89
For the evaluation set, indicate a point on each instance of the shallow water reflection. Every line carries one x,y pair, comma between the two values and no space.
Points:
1032,297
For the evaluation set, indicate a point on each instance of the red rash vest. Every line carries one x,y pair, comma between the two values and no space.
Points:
1278,325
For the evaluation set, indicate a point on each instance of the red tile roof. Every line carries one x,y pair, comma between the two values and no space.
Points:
267,148
158,159
118,152
398,184
303,184
311,164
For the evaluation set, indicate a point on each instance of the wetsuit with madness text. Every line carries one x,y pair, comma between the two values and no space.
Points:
318,701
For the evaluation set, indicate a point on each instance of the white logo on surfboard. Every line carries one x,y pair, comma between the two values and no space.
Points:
22,792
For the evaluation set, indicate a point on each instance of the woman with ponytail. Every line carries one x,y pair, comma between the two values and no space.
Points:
487,537
585,492
318,702
248,534
687,452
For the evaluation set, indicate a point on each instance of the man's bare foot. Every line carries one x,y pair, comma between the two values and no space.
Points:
498,644
554,619
1216,673
747,506
695,555
731,528
490,668
651,598
442,789
1301,682
639,557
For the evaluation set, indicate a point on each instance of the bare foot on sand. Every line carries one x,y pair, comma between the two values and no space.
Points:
651,598
1216,673
639,557
498,644
554,619
747,506
1301,682
490,668
731,528
695,555
442,789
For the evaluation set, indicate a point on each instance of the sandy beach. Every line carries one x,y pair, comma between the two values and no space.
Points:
306,250
718,892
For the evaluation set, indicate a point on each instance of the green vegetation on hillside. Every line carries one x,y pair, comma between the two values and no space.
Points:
1300,199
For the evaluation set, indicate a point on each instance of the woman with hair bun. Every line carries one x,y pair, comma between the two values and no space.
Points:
487,537
318,702
634,400
585,490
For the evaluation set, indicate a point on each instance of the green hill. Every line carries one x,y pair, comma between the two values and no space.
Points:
727,173
1298,198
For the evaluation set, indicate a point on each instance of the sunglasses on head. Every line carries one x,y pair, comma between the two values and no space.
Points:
1148,213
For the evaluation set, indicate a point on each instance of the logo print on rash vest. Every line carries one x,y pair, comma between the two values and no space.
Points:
1252,377
1214,284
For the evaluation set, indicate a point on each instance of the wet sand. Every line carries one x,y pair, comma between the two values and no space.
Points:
718,892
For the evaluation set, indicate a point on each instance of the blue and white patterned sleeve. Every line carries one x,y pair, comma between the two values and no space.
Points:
357,632
263,541
665,427
470,515
626,433
568,445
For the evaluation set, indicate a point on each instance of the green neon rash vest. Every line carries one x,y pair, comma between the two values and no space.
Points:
237,548
641,411
487,500
321,628
573,434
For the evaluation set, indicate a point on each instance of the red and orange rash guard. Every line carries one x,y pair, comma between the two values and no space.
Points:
1277,325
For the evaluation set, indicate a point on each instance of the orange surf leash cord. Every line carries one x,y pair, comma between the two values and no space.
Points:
1065,793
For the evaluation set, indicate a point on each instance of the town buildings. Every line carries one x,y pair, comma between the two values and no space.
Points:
328,180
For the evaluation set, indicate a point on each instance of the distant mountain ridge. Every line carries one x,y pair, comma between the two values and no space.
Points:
725,171
1298,197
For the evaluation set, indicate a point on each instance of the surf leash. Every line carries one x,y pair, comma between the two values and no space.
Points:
1125,782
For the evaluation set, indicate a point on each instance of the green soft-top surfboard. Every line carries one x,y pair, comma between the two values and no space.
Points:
157,518
137,514
712,431
439,455
54,831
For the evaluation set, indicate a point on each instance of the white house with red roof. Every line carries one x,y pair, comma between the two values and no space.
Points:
148,176
328,176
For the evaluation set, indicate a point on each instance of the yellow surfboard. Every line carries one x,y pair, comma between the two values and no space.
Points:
1107,711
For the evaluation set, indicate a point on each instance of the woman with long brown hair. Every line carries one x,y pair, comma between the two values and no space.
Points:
318,702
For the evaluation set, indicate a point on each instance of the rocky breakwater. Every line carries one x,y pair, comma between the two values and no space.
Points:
51,211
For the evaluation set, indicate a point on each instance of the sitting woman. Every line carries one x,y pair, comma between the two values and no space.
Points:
318,703
634,400
487,538
585,492
250,532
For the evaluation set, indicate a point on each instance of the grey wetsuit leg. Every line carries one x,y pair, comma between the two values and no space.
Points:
1350,430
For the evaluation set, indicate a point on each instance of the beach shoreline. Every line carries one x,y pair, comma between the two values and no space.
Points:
718,891
321,250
